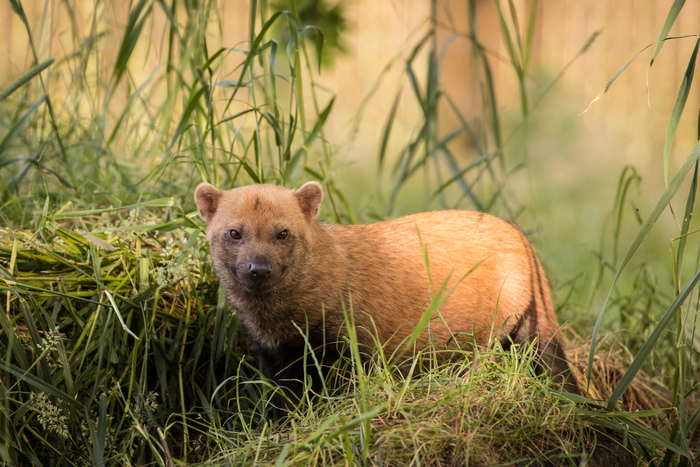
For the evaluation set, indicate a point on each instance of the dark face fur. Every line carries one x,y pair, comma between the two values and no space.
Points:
256,233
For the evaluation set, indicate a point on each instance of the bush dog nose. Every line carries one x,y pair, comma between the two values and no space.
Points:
259,270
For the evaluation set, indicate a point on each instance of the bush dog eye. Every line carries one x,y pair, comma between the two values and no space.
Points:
378,273
235,234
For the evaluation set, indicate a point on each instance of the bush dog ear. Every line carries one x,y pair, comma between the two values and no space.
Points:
310,196
207,198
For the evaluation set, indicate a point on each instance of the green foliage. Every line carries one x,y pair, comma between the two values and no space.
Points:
322,18
117,345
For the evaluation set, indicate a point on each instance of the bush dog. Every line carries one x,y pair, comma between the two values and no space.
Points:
284,271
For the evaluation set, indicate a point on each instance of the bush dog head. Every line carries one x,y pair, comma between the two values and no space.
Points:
258,234
284,271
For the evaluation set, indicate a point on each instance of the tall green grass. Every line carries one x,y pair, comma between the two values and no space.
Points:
117,344
681,428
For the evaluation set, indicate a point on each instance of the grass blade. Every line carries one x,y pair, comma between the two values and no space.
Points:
160,203
624,67
318,42
660,206
651,342
132,31
26,78
38,383
641,431
17,127
679,106
687,217
119,316
100,437
530,34
387,129
612,80
254,47
134,97
670,19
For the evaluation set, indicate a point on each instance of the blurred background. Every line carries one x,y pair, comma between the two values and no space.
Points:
563,164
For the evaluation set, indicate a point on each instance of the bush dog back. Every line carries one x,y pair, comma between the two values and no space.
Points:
280,267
